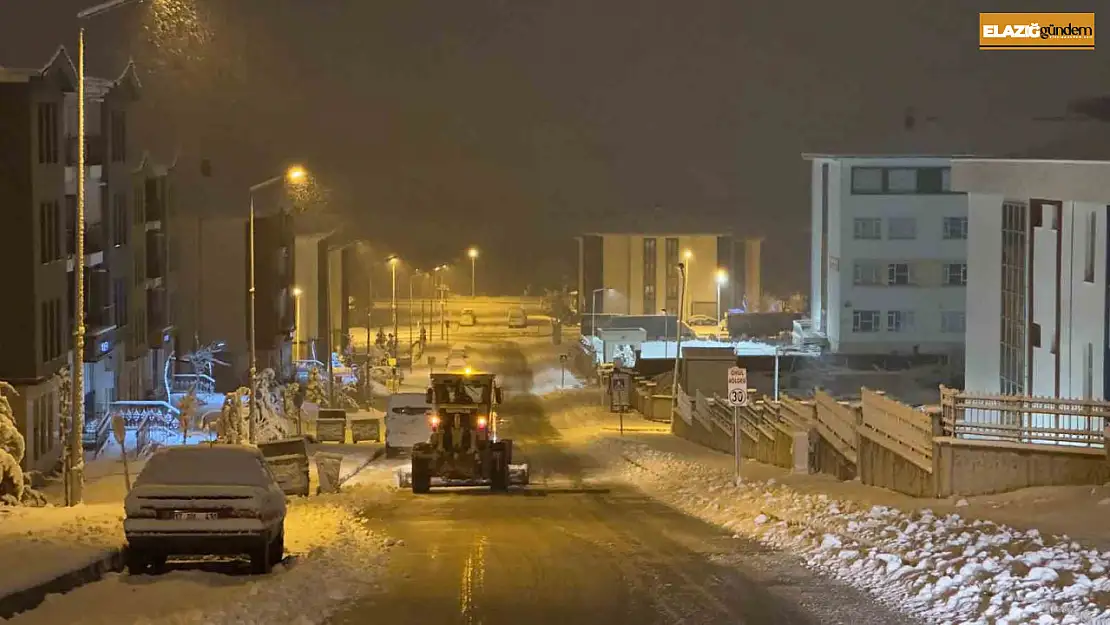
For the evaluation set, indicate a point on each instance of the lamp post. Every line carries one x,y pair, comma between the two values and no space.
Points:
75,457
437,285
687,261
678,338
294,175
297,292
393,262
722,279
473,254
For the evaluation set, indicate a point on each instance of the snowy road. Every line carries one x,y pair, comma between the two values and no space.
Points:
576,547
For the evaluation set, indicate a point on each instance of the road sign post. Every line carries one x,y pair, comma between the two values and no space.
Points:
737,397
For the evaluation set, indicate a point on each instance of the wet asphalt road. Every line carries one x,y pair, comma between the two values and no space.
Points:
561,551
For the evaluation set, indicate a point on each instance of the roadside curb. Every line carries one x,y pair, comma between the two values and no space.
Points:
31,598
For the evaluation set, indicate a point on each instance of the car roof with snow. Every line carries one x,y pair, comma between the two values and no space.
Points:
206,464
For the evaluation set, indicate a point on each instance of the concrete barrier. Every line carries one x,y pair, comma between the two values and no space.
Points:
982,467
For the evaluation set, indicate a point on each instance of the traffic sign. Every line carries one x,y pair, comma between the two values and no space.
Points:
737,386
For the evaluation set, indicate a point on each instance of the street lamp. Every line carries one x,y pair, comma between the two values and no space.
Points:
473,254
75,472
293,175
687,258
722,279
440,293
297,292
393,261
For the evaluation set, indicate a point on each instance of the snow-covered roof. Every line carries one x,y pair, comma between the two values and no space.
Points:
59,66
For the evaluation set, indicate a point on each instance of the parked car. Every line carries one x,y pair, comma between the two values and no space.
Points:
704,326
205,500
518,318
467,318
407,422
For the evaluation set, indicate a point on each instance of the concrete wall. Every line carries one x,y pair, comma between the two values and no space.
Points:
967,467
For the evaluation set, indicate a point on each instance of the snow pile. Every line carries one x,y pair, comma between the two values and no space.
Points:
942,568
331,558
46,542
553,379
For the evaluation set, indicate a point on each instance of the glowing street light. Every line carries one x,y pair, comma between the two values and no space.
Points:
722,279
297,293
473,254
393,261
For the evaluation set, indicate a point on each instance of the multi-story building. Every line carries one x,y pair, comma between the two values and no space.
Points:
637,274
888,255
33,321
321,272
159,335
108,253
1039,319
274,304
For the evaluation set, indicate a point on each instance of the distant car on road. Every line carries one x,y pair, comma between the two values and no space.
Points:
518,318
205,500
467,318
704,326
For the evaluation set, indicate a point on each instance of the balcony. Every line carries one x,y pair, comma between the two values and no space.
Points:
155,201
96,150
157,317
155,255
94,244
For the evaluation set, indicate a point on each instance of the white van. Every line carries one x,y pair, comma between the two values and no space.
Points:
407,422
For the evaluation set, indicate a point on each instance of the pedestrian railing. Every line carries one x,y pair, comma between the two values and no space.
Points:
185,382
1024,419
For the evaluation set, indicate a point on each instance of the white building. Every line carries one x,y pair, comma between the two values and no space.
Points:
888,260
1038,319
637,274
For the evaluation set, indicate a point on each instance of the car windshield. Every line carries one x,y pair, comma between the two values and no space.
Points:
204,466
462,391
702,321
410,410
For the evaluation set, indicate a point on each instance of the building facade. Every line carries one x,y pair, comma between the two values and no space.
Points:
1039,321
34,326
888,258
274,258
637,274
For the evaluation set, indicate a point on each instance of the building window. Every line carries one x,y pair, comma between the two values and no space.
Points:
119,137
901,228
49,238
119,300
901,180
1012,342
1089,260
899,320
898,274
933,180
44,337
670,248
48,138
953,321
1089,371
955,274
120,225
650,276
955,228
867,228
866,273
867,180
865,321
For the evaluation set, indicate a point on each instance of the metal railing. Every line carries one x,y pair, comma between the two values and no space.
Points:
97,427
184,382
1024,419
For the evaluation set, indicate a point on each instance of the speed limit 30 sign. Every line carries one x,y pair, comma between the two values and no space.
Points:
737,386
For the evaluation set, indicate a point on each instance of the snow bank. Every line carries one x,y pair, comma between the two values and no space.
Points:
334,559
551,379
941,568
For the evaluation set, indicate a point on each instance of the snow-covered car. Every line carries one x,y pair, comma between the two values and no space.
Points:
518,318
407,422
704,326
468,318
205,500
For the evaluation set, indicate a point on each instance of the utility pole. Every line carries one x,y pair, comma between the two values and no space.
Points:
76,462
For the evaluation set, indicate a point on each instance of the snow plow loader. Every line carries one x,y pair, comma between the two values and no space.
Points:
463,448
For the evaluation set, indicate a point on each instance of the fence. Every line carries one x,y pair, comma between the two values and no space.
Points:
185,382
836,422
770,432
145,419
1024,419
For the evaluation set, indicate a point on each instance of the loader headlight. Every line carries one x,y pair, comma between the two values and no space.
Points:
434,420
482,423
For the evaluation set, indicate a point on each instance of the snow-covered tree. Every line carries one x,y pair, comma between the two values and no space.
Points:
271,422
15,487
204,358
233,426
187,406
314,389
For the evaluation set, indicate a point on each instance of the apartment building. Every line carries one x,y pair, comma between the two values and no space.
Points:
888,264
159,334
1039,318
637,274
33,322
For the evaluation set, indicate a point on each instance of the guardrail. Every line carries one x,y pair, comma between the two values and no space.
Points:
184,382
1024,419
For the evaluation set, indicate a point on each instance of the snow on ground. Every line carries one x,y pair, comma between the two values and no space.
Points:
944,568
552,379
331,559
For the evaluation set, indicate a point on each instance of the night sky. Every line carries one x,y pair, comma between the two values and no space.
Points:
514,125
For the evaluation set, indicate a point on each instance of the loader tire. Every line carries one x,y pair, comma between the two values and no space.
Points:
421,476
499,472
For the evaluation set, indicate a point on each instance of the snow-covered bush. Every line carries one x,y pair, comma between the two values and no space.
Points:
15,486
187,406
271,423
233,425
314,389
